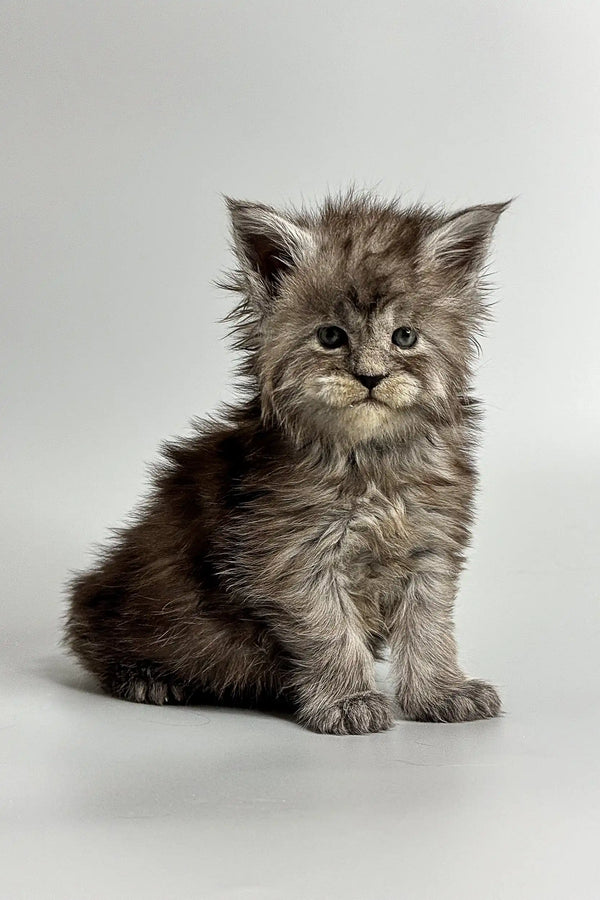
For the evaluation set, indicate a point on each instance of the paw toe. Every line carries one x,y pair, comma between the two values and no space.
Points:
141,684
470,701
362,714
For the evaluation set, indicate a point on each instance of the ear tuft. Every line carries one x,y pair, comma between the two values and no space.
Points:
266,241
461,243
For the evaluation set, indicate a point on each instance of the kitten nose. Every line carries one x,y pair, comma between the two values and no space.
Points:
370,381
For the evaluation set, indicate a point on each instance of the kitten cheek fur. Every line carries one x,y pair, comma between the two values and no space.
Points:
286,542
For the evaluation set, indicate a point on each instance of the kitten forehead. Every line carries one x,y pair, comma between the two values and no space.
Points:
368,307
367,252
361,291
375,297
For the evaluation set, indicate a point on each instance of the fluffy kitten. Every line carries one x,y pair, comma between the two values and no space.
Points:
327,515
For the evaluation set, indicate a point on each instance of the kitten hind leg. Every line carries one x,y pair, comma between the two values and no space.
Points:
143,682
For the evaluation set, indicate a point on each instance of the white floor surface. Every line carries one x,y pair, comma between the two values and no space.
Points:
106,799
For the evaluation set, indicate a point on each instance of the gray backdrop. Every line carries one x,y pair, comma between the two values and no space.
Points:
123,123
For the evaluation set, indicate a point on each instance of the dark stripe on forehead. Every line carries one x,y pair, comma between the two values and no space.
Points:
373,306
367,301
375,301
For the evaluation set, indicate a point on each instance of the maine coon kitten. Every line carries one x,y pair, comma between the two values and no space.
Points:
327,515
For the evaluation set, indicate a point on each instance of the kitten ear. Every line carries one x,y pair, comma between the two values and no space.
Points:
461,243
266,241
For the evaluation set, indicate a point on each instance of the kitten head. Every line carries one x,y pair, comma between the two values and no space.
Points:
360,320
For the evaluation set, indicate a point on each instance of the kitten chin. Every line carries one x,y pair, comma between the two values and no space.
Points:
285,544
364,420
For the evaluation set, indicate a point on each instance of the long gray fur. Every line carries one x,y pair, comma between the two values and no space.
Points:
284,545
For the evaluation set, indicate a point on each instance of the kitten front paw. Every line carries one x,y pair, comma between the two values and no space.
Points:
472,700
362,713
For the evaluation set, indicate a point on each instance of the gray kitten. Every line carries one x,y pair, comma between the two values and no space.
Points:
327,515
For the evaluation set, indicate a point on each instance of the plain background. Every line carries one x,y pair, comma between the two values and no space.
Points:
123,122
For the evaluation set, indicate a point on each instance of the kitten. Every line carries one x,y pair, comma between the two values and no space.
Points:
327,514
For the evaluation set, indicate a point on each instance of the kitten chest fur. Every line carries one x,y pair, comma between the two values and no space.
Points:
346,531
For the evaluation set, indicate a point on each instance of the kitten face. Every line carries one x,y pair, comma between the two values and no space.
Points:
361,318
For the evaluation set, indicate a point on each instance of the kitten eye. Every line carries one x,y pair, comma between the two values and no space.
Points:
331,337
404,337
